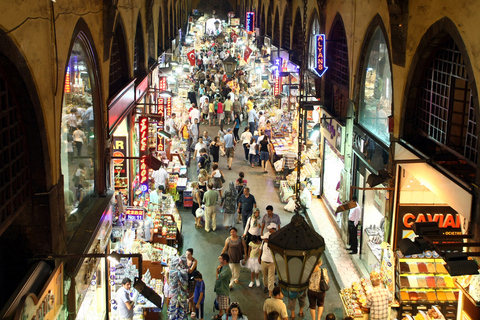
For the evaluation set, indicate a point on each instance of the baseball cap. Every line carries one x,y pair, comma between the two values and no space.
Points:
229,129
272,226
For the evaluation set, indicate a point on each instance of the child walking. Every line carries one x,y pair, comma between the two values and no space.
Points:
252,263
252,152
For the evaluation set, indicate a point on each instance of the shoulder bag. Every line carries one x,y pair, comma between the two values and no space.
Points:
324,286
222,177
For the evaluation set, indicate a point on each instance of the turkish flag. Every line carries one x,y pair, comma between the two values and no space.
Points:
191,57
247,53
234,37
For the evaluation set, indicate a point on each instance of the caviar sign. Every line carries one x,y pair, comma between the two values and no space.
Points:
448,219
160,139
320,67
143,174
250,22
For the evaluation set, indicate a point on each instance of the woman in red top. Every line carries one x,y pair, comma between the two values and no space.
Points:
220,114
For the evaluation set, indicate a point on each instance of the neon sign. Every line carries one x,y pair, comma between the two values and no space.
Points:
169,107
320,66
143,174
160,140
278,84
162,84
67,81
143,135
134,213
250,22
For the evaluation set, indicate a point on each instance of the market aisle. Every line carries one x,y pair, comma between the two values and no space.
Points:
207,246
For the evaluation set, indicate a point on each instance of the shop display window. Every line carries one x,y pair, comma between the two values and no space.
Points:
78,138
376,102
333,166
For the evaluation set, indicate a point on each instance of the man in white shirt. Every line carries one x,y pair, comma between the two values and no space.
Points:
353,218
125,304
194,130
195,114
160,176
266,261
252,119
261,119
172,125
199,146
305,197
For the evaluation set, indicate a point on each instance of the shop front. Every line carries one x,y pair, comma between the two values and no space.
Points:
426,195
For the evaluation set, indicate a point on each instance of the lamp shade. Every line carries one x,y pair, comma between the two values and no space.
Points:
295,249
230,63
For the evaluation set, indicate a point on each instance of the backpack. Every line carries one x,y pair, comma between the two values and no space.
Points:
207,162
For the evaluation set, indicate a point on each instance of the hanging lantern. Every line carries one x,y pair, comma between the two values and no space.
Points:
296,249
230,64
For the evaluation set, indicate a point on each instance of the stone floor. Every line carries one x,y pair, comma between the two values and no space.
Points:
207,246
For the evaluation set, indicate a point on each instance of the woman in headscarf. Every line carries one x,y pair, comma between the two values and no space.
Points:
229,203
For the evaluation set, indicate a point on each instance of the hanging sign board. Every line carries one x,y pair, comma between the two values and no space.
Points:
169,107
134,213
143,174
160,140
120,165
320,66
162,84
250,22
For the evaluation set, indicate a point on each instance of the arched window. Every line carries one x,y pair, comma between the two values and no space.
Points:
287,23
376,93
444,110
118,76
139,52
78,132
276,30
315,29
160,33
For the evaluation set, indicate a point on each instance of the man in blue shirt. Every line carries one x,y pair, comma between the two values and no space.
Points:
229,147
246,203
199,295
252,118
125,305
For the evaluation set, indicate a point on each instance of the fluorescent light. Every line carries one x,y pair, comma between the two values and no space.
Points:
167,94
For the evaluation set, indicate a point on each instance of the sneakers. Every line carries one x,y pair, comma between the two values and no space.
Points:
257,282
250,284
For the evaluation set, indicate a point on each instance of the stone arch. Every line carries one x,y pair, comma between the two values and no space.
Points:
139,67
286,25
276,30
119,73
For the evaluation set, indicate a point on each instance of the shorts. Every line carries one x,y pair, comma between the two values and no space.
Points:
264,155
223,302
315,299
230,152
211,115
228,114
220,116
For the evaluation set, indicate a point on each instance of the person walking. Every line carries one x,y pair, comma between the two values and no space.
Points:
78,140
246,203
236,126
194,130
192,270
229,203
215,149
353,218
316,297
266,261
264,152
252,151
125,304
236,249
218,178
252,119
275,303
228,111
378,298
223,275
220,112
211,113
252,260
197,201
210,199
253,227
245,137
229,147
270,217
301,302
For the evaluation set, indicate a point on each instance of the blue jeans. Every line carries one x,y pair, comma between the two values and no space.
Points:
252,127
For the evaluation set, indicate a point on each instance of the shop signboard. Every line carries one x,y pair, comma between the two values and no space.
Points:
448,220
134,213
278,84
120,166
162,84
160,140
48,304
320,66
235,21
168,108
332,131
143,174
250,22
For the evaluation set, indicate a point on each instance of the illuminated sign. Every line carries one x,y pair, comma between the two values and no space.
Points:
160,140
278,84
120,166
250,22
320,66
448,220
133,213
143,174
67,81
48,304
169,107
143,122
162,84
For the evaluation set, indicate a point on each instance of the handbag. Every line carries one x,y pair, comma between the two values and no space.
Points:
222,177
324,286
215,305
